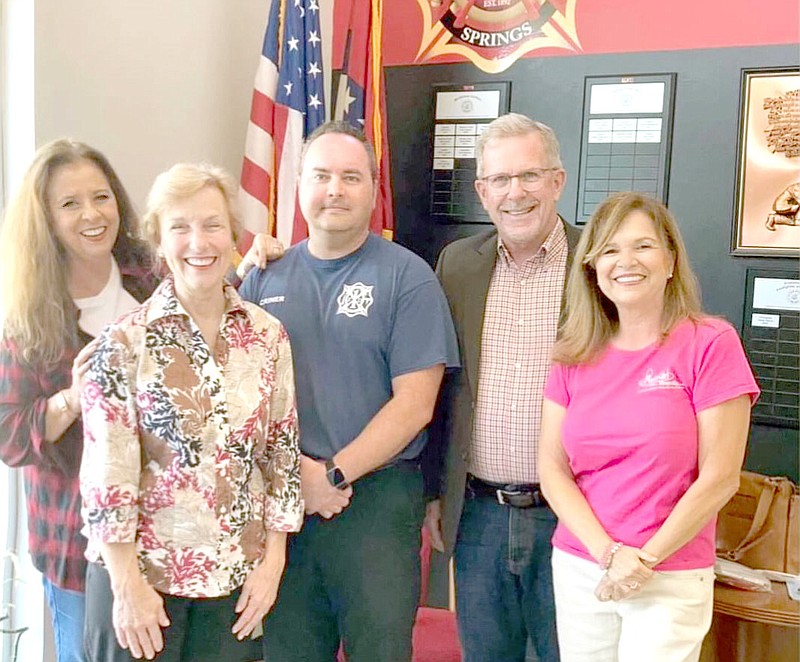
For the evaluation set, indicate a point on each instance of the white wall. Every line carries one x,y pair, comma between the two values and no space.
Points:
150,82
16,92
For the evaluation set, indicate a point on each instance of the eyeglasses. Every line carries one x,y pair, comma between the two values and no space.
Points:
530,180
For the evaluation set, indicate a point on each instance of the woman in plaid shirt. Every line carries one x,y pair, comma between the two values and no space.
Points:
69,264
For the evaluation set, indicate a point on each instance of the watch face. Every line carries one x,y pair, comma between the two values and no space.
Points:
335,476
338,478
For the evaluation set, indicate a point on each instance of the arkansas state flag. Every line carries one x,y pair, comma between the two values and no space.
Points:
288,104
360,99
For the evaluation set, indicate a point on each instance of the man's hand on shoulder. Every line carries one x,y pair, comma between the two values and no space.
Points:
319,495
263,249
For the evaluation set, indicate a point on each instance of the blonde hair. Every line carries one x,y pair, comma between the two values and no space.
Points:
514,125
37,311
589,319
180,182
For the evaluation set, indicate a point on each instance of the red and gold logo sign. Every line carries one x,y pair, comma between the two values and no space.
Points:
493,34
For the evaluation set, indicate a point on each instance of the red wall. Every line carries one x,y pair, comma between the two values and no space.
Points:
613,26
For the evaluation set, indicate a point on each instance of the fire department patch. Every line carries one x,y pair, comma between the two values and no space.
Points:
355,300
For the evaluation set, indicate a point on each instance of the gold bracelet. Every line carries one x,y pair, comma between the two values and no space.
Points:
63,405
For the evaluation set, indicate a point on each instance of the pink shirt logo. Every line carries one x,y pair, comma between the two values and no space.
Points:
653,381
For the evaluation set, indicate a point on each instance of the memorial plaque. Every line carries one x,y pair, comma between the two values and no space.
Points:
771,336
767,204
460,114
627,138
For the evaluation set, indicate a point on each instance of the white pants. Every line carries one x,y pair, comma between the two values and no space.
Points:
664,621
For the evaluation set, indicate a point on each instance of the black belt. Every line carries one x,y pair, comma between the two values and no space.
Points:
528,495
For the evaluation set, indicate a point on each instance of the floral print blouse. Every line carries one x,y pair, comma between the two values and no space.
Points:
192,456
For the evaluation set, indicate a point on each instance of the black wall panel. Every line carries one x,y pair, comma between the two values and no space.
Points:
701,183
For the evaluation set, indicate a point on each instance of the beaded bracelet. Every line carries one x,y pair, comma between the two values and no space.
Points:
608,554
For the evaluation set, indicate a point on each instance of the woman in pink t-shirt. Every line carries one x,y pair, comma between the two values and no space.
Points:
644,427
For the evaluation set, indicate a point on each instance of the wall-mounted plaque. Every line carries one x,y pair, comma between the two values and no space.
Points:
627,138
460,114
767,216
771,336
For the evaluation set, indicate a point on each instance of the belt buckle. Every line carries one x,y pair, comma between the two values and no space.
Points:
516,499
501,496
520,499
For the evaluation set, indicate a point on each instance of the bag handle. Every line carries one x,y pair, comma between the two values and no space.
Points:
754,535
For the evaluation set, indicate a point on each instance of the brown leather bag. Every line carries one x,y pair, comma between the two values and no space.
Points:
760,525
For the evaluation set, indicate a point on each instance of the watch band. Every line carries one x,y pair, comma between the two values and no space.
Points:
335,475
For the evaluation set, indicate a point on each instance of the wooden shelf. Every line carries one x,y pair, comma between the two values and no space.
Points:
775,608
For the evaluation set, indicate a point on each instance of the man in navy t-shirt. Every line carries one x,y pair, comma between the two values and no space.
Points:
371,337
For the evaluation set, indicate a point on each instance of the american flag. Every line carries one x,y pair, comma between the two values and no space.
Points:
288,104
361,99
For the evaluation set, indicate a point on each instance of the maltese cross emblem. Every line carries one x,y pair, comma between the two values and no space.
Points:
355,300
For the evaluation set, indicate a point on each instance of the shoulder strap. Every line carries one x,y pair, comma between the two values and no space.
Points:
755,533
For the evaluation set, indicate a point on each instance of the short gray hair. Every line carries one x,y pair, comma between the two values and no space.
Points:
514,125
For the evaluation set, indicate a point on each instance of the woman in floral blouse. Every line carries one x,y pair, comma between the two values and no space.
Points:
190,473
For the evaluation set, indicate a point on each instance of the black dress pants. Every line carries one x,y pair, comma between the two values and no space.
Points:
199,630
353,580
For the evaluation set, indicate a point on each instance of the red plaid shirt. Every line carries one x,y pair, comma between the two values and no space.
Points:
50,469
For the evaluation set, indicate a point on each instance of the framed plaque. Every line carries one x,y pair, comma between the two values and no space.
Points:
767,203
460,114
771,336
626,142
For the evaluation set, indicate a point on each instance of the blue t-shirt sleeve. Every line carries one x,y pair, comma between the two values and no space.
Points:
247,290
422,334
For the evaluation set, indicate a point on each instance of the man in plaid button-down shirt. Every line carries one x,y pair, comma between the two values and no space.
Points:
505,289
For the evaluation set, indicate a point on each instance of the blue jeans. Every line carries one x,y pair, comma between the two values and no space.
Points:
504,582
67,609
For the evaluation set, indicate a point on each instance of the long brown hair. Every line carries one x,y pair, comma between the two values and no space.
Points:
37,311
589,319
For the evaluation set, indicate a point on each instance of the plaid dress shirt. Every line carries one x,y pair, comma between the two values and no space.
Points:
519,329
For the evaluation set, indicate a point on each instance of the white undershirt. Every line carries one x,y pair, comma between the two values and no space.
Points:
103,308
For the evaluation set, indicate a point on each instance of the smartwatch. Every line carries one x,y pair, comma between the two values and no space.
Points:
335,475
